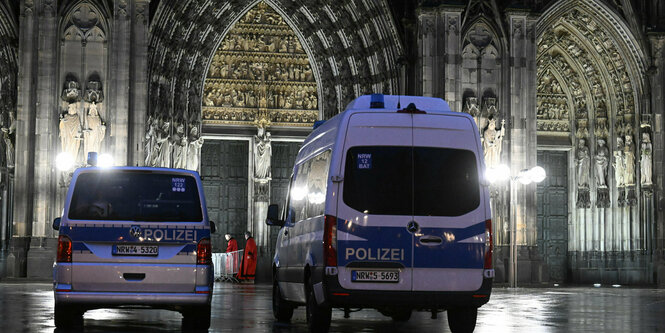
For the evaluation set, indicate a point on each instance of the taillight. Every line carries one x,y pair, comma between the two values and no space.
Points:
488,244
204,252
64,249
330,241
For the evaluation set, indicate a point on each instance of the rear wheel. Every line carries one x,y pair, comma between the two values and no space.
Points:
318,316
196,318
281,308
462,320
67,316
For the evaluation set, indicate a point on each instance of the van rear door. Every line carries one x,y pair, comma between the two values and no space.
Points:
449,205
374,247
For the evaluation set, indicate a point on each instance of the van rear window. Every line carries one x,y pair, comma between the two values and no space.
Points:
421,181
135,196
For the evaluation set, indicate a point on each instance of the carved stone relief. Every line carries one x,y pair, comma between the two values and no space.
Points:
260,64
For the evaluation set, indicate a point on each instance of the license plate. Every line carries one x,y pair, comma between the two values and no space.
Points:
374,276
135,250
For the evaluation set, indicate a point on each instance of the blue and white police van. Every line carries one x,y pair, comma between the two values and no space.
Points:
387,209
134,236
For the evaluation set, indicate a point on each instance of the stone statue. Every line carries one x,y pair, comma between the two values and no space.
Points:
619,164
602,161
194,148
492,143
70,131
7,132
150,142
179,147
629,161
94,134
163,145
262,154
646,150
582,164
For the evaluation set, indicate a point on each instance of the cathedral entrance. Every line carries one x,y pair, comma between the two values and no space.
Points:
260,100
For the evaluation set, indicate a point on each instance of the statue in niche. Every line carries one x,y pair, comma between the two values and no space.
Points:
646,150
602,161
471,107
262,155
492,140
163,145
70,131
150,141
194,147
94,134
582,163
619,164
179,140
7,135
629,161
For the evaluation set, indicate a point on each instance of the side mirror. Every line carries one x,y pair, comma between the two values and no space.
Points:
56,224
213,227
273,216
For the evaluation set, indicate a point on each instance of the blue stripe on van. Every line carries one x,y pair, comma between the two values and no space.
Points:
123,234
394,244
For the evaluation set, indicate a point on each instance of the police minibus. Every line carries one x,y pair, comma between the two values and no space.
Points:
387,209
134,237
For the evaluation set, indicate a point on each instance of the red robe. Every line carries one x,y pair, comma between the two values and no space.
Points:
248,267
232,246
232,262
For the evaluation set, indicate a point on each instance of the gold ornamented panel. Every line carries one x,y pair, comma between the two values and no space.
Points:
260,75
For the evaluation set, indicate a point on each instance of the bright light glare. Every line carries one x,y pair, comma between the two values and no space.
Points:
105,161
316,198
537,174
498,173
64,161
298,193
524,177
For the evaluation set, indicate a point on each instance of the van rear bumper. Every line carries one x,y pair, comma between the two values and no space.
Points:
337,296
115,299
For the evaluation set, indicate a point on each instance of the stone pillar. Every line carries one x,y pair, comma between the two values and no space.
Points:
261,166
523,150
120,87
138,109
657,83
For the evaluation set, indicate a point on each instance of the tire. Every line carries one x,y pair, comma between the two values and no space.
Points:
318,316
281,309
67,317
196,318
401,315
462,320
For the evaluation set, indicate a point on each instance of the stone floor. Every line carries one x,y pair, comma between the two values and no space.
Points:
28,307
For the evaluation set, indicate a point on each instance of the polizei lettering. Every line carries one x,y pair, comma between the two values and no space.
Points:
382,254
170,234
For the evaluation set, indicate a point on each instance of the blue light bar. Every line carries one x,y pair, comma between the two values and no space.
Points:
376,101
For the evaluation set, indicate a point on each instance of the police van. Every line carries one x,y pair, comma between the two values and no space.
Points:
134,237
387,209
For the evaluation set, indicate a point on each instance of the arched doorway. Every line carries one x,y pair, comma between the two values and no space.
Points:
260,99
595,211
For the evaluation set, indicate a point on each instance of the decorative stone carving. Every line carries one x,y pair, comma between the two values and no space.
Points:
646,151
72,92
601,162
93,92
163,144
70,131
94,134
582,164
492,139
179,140
8,130
629,161
471,107
194,147
262,155
150,143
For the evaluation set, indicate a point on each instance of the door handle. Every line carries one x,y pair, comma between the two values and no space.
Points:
430,240
286,232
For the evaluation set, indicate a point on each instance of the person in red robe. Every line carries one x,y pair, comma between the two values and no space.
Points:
248,266
232,263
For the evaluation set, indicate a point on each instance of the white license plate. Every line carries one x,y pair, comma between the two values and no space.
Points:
374,276
135,250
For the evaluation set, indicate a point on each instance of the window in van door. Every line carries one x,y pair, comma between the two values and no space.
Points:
446,181
395,180
135,196
308,193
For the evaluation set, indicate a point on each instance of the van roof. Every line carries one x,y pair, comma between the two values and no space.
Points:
429,104
136,168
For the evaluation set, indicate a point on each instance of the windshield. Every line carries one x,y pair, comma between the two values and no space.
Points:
421,181
135,196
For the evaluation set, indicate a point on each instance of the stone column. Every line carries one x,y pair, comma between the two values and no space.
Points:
120,87
657,81
523,150
138,109
262,153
